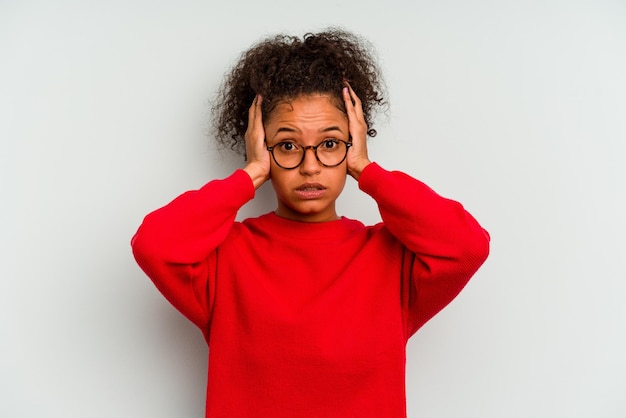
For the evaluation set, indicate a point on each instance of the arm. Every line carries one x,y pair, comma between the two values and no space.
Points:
446,242
176,243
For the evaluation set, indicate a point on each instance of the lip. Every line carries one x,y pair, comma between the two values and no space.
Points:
310,191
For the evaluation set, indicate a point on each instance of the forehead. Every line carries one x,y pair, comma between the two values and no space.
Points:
307,109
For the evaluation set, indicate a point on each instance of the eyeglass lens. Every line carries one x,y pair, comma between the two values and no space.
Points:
330,153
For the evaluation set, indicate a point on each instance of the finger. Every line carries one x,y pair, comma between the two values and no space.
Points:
355,100
352,114
356,120
254,113
255,133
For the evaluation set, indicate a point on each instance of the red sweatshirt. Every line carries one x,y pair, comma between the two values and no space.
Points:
309,319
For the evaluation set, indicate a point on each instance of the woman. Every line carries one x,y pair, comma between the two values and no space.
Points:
307,313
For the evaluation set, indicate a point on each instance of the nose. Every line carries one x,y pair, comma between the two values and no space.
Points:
310,165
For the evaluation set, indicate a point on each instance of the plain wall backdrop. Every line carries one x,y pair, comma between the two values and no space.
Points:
515,108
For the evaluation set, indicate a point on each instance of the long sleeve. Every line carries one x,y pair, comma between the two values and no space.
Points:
446,244
176,243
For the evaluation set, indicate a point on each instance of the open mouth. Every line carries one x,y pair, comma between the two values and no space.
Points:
310,191
310,187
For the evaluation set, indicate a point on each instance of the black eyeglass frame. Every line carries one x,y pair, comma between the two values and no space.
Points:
314,148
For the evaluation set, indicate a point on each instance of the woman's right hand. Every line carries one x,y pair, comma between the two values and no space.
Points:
257,156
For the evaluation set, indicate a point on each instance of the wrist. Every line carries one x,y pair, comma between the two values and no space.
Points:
257,174
356,169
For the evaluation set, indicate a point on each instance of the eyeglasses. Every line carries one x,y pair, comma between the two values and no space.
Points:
329,153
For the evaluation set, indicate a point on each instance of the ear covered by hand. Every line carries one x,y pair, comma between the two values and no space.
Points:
357,154
257,157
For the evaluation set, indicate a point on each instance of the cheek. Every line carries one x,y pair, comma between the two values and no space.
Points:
339,178
277,174
280,178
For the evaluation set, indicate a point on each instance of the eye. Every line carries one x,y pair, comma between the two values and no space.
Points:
329,144
287,147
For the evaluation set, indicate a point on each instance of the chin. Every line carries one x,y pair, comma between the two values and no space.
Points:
308,212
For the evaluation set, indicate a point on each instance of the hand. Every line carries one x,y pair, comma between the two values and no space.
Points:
357,154
257,156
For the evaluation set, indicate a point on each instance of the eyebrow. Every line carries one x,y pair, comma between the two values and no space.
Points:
327,129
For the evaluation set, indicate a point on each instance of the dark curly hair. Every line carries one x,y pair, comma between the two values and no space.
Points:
284,67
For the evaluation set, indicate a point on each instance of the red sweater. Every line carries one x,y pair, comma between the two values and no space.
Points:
309,319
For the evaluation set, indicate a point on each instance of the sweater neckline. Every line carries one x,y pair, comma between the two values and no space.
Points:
310,230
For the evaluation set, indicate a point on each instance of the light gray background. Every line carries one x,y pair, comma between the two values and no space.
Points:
515,108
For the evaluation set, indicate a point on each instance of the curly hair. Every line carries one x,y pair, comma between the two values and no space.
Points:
283,67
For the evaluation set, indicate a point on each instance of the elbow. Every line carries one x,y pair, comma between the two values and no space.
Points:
144,248
137,245
139,248
148,256
477,250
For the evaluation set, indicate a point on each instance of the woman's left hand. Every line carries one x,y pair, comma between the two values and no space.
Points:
357,154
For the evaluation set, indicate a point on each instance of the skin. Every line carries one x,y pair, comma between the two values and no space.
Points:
309,192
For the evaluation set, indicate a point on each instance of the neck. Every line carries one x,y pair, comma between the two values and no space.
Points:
288,213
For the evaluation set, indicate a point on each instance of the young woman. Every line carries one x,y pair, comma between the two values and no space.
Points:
307,313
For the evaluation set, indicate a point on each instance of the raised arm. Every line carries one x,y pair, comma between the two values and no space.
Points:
445,245
175,245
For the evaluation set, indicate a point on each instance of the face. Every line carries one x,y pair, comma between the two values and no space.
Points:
308,192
